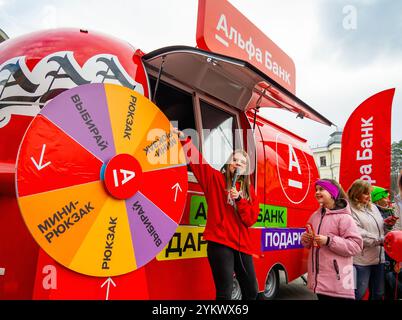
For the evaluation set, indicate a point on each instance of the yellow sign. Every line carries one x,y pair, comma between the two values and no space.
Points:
186,243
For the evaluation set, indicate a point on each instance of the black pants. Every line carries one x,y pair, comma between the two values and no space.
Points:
325,297
225,261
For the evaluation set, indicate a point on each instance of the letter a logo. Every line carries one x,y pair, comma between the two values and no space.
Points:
127,176
293,168
123,183
293,161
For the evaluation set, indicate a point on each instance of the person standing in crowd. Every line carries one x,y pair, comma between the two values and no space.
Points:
232,209
394,267
333,241
369,264
380,197
398,204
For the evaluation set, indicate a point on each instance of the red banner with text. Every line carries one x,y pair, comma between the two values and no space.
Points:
221,28
366,142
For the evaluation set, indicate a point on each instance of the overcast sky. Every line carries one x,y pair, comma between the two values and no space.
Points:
337,68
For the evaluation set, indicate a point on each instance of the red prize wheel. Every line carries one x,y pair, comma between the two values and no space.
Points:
101,180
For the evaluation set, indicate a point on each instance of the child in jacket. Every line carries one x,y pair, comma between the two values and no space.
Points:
333,241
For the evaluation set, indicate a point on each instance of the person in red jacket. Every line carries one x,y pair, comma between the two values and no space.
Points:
231,212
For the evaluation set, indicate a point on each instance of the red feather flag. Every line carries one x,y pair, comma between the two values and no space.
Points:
366,142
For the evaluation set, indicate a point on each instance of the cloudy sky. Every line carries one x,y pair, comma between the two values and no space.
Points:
337,67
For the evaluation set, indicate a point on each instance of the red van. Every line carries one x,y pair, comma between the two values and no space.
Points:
213,94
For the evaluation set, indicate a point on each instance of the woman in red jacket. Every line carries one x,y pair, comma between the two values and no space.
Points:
231,211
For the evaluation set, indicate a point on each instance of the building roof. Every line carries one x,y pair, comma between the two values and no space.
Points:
335,137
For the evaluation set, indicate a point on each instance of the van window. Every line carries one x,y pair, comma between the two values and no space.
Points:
219,131
176,104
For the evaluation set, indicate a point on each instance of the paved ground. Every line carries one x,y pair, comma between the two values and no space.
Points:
295,290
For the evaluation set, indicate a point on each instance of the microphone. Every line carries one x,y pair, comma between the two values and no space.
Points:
235,176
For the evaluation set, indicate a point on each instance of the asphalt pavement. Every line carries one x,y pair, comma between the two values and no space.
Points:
295,290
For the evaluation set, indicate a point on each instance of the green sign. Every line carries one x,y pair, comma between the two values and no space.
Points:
272,216
198,211
269,216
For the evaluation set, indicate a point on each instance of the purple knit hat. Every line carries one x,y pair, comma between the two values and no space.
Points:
330,187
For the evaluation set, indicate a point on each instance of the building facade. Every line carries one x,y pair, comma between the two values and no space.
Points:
328,157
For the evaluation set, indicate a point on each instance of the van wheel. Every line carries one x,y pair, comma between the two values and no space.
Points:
271,285
236,293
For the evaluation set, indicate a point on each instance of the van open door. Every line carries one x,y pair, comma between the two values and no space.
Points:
233,81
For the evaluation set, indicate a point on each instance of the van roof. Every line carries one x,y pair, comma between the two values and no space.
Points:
233,81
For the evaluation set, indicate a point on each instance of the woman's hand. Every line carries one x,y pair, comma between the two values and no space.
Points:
321,240
391,220
234,194
179,133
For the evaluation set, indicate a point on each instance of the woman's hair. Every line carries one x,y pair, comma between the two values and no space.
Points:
356,190
339,201
245,179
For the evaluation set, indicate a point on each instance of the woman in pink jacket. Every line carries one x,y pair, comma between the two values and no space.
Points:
333,241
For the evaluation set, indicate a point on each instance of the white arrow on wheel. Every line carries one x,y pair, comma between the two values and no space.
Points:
39,165
108,281
177,186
